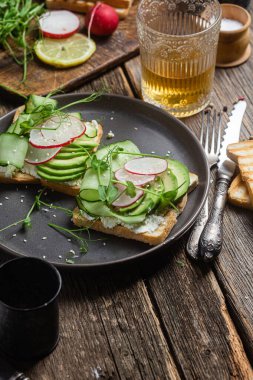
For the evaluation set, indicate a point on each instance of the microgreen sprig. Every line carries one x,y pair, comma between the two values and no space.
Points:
82,241
26,222
17,19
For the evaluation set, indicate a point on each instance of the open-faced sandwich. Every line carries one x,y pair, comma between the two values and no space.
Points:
46,145
132,195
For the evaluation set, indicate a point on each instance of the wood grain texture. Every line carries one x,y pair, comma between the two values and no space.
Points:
173,324
42,79
234,268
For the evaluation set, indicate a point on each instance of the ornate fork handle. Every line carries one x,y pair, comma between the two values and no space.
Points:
192,246
211,238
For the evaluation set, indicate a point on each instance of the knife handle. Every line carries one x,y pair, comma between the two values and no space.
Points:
211,238
192,246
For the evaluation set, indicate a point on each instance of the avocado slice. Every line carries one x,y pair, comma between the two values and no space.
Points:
65,155
67,164
181,173
60,172
54,178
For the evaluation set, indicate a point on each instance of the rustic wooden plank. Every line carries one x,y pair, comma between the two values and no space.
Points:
108,327
235,266
42,79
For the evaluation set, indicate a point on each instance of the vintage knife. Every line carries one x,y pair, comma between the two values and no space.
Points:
211,238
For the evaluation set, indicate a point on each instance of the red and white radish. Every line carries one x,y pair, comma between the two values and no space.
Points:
101,20
37,156
137,179
125,200
56,132
146,165
59,24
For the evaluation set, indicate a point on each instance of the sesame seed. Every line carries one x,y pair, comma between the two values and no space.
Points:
54,216
22,196
112,118
21,200
72,251
44,257
44,238
14,235
60,256
6,198
69,239
104,244
1,204
136,128
153,152
25,240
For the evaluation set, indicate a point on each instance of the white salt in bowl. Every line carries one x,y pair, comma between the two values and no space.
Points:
233,46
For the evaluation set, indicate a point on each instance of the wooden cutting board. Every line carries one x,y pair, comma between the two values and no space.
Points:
42,79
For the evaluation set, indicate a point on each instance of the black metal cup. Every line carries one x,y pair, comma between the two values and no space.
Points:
29,314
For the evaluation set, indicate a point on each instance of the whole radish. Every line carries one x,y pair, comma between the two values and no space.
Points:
101,20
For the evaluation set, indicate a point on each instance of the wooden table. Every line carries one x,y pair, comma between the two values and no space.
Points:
165,317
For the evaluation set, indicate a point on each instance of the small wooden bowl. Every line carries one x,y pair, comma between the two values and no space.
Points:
233,46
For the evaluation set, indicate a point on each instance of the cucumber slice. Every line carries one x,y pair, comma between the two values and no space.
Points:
15,127
169,181
71,149
89,187
118,160
100,209
13,149
34,101
181,172
91,129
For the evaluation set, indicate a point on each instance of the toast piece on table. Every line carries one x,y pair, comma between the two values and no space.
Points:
238,193
153,238
242,154
23,178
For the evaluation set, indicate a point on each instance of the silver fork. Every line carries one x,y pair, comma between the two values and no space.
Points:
210,122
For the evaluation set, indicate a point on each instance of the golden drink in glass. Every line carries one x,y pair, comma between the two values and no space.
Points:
178,45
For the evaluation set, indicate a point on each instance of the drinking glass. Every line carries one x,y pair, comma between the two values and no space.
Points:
29,316
178,44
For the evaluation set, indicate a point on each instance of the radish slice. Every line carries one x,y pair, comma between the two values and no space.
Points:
59,24
125,200
137,179
146,165
56,132
37,156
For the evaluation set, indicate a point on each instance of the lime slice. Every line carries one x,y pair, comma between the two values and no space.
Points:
66,52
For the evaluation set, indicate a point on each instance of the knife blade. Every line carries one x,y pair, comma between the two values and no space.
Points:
226,167
210,242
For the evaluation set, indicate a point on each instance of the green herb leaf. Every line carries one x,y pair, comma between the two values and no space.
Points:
102,190
130,190
111,193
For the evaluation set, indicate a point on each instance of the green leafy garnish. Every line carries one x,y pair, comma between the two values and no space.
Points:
130,189
83,243
18,18
26,222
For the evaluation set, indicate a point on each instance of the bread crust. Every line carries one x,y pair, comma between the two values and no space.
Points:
151,238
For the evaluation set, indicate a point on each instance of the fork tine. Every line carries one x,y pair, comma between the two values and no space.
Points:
219,133
213,131
202,128
207,130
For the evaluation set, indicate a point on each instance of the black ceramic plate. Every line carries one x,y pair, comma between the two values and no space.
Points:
153,130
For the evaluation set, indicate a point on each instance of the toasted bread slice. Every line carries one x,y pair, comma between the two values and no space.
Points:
238,193
121,7
240,149
249,185
22,178
153,238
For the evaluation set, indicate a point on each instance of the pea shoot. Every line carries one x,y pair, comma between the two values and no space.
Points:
18,19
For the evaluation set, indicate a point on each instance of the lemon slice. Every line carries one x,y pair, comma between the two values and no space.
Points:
65,52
